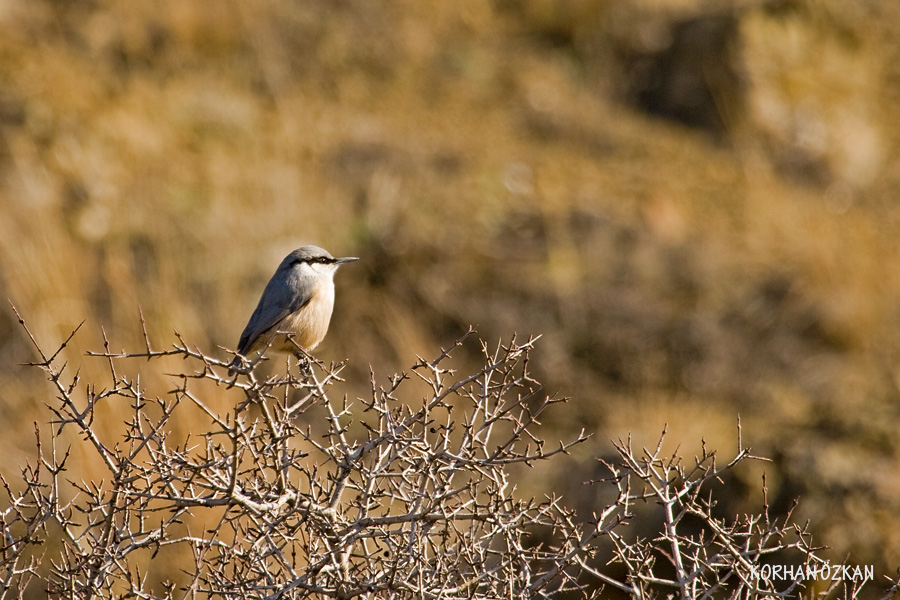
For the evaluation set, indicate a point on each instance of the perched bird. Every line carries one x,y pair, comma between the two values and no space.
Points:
297,302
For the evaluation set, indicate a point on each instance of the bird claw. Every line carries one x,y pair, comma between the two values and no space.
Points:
304,365
237,366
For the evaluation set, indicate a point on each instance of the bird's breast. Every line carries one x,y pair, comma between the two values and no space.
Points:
310,324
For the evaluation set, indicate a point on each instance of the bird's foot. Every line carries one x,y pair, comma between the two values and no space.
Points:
237,365
304,365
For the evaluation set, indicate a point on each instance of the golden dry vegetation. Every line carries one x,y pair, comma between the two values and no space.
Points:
694,203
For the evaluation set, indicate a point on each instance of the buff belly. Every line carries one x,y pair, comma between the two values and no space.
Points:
307,326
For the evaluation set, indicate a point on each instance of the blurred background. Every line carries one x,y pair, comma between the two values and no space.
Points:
695,203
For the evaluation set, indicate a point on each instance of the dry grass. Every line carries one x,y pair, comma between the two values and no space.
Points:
489,163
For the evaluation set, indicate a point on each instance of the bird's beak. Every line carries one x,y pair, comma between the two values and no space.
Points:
346,259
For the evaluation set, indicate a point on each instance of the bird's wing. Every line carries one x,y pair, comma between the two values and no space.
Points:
275,304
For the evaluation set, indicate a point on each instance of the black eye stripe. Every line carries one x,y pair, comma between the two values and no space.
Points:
316,259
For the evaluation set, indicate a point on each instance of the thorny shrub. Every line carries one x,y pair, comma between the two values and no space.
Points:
383,498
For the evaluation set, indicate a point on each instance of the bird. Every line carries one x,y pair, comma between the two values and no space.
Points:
295,305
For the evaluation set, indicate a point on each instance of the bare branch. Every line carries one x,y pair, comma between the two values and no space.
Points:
388,497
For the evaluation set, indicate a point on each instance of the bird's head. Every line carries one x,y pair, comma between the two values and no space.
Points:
314,260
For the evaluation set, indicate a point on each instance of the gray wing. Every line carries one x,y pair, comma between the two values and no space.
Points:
282,296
